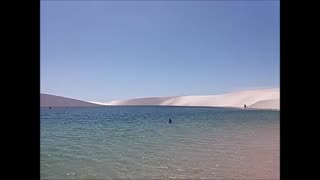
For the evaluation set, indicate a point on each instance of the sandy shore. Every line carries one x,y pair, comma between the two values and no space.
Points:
256,99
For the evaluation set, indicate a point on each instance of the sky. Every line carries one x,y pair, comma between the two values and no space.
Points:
107,50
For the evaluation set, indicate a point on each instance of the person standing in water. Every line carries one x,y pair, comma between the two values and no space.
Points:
170,121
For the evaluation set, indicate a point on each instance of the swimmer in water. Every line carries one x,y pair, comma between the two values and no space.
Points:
170,121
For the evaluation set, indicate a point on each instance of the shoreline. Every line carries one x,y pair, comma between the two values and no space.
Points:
103,106
262,99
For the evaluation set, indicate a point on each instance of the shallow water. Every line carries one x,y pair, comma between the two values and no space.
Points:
139,143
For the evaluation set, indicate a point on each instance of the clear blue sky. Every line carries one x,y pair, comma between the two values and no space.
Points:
106,50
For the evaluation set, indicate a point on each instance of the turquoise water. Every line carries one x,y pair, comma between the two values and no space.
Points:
139,143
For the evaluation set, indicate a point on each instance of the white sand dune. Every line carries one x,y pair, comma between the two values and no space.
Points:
98,103
266,104
234,99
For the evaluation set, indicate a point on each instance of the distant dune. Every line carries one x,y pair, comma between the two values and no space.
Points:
255,99
234,99
47,100
266,104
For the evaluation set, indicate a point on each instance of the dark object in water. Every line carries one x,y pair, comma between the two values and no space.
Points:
49,107
245,106
170,121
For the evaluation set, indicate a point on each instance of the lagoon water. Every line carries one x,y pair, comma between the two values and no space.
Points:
139,143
